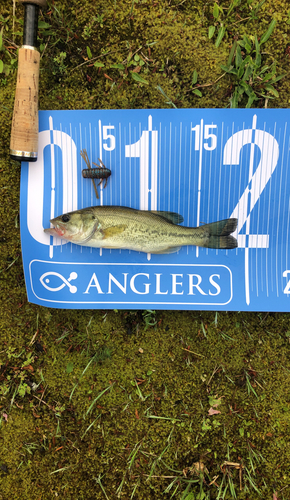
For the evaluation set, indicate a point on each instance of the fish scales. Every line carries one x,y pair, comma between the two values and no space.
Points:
140,230
146,232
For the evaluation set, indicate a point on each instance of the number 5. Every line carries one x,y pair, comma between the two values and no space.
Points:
112,140
212,137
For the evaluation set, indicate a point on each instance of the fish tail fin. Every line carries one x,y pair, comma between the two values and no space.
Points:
220,234
225,242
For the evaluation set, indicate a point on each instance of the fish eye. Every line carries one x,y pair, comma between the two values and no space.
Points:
65,218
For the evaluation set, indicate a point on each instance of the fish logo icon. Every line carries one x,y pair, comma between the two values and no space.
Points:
45,280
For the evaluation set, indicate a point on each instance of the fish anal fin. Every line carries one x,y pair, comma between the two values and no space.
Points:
112,231
167,250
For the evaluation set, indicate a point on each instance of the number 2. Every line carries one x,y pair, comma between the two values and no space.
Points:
287,287
257,182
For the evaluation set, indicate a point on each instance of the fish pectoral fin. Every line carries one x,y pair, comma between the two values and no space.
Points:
113,230
168,250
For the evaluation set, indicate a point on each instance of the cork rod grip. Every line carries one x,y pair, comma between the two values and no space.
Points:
24,132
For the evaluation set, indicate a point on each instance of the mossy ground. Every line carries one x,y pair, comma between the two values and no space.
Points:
95,404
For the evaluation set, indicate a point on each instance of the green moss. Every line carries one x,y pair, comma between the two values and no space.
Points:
59,436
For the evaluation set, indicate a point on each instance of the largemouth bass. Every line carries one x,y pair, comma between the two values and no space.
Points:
140,230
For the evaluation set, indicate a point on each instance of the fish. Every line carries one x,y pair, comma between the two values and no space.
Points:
155,232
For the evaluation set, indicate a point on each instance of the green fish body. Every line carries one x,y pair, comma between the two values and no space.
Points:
140,230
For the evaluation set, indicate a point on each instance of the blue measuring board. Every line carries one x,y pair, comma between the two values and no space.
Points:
205,164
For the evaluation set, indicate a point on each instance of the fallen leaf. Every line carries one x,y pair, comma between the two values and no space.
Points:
199,467
236,465
137,69
196,468
211,411
28,367
214,481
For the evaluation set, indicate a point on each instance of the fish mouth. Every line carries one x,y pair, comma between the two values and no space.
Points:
58,230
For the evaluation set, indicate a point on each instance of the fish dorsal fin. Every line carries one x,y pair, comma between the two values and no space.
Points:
113,230
170,216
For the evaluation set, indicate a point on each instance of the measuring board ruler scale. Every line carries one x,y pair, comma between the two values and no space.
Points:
204,164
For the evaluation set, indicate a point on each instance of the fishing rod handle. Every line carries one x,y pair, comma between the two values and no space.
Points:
24,131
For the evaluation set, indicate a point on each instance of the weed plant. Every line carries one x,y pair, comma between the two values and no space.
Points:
253,79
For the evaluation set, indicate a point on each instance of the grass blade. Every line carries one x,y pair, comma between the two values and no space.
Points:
98,397
269,32
220,36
